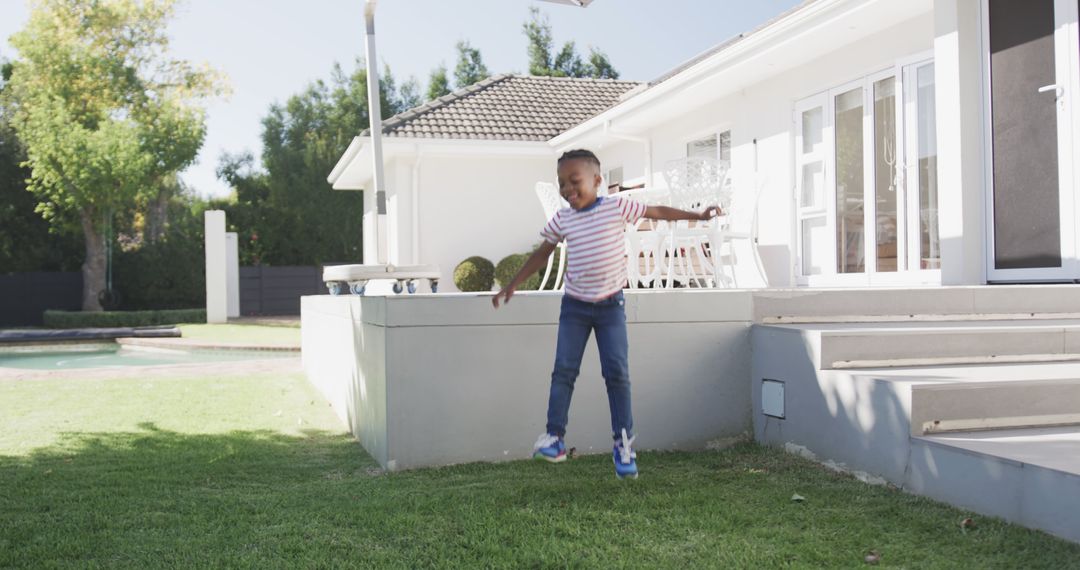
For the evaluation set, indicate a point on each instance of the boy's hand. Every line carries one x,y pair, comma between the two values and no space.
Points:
710,213
505,294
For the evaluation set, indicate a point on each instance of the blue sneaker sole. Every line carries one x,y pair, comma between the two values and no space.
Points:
542,457
620,475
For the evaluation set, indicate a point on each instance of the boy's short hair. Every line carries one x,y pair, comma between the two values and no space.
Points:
580,154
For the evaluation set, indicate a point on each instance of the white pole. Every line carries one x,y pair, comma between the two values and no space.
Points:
375,114
232,275
216,281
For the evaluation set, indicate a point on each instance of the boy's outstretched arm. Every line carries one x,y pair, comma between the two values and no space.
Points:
532,265
672,214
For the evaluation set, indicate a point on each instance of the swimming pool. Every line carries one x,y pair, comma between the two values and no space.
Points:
116,356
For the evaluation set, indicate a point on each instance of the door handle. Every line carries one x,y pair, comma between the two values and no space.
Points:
1057,89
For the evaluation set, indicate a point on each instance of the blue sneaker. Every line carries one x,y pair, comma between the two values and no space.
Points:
550,447
624,457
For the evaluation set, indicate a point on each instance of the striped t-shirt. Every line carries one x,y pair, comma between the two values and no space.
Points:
595,251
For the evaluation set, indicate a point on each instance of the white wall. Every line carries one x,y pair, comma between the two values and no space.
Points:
764,112
483,206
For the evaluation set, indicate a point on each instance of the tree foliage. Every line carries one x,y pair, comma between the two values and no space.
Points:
103,113
284,211
470,66
27,242
438,83
567,62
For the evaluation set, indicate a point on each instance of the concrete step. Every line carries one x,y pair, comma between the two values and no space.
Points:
968,406
1028,476
981,303
946,343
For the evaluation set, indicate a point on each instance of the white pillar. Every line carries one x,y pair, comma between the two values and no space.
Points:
216,283
959,82
232,275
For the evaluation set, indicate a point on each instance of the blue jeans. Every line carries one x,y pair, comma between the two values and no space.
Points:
576,321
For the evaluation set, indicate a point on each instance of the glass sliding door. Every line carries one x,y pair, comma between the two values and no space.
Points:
850,198
878,166
886,207
924,251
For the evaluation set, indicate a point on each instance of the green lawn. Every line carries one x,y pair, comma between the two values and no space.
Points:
245,334
255,472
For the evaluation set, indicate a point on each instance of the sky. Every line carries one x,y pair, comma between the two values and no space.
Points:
272,49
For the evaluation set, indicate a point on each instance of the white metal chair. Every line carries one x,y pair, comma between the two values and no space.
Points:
552,202
693,184
737,226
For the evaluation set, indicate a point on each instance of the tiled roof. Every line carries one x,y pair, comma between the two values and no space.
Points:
509,107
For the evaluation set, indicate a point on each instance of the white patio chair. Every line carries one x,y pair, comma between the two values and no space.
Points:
552,202
737,226
693,184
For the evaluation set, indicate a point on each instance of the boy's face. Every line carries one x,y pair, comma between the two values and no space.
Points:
578,181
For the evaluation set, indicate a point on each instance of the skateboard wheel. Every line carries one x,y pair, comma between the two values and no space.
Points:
334,287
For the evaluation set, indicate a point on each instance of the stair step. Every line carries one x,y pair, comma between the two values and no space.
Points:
966,406
948,343
978,303
1030,477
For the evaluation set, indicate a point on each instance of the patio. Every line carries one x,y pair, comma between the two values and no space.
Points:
440,379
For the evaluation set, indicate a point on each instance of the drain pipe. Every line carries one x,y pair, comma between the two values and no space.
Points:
611,131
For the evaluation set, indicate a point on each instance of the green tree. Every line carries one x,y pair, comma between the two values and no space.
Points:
470,66
103,114
27,242
283,210
438,84
566,63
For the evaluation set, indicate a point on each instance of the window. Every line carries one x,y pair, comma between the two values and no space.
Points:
717,147
866,178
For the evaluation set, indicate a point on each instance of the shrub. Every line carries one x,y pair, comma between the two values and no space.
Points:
77,319
166,275
474,274
508,268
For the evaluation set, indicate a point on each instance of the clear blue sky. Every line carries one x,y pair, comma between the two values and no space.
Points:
271,49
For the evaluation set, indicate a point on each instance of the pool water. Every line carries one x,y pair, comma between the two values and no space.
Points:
111,358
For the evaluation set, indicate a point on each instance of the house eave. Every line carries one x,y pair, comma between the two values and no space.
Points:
353,169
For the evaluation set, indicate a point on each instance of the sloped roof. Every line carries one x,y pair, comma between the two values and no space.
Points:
509,107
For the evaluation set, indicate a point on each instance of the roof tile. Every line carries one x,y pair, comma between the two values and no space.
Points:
509,107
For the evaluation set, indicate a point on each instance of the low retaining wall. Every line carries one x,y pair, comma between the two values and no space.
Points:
439,379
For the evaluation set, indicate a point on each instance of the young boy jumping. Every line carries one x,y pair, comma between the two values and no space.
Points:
595,275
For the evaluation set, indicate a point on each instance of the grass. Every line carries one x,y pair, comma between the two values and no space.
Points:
255,472
246,334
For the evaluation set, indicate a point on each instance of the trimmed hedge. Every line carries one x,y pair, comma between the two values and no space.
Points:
78,319
474,274
508,268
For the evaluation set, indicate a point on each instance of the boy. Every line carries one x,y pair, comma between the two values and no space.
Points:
595,274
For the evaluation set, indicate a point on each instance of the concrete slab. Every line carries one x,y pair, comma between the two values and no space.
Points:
1030,477
1055,448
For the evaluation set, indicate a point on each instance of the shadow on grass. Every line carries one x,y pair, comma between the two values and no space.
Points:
155,498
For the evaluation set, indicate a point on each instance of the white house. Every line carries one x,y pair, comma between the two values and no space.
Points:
916,142
909,153
460,170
